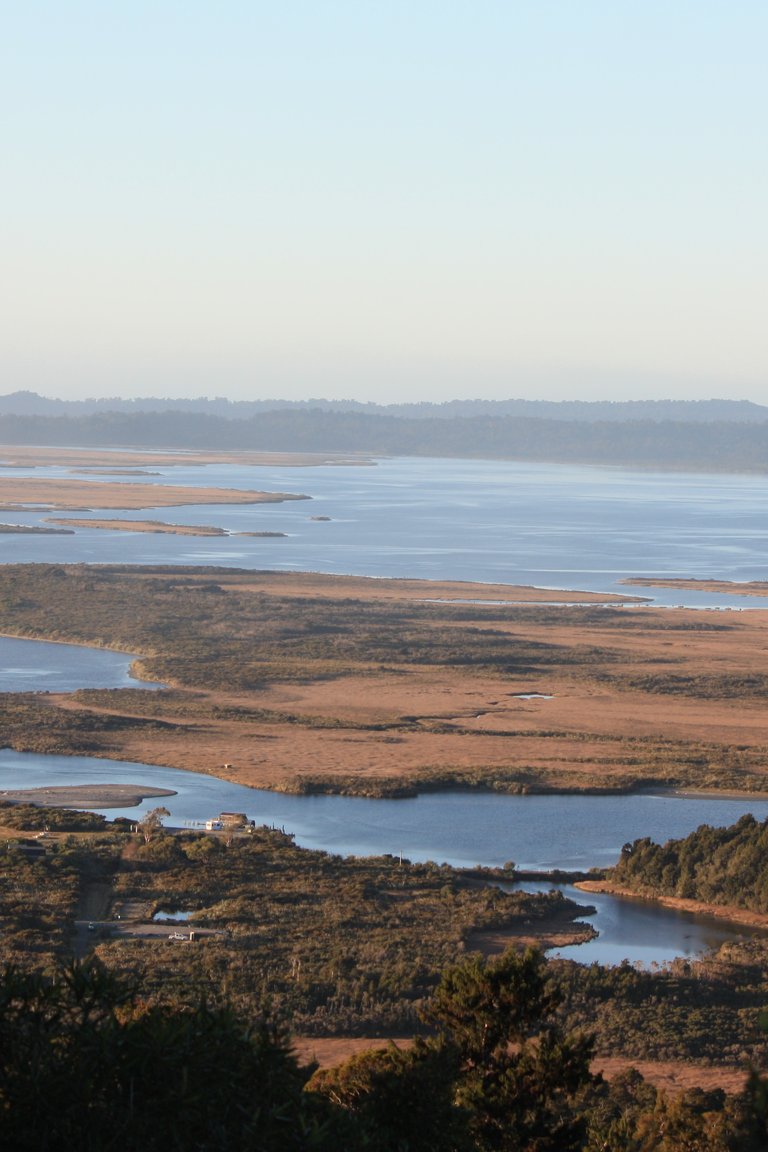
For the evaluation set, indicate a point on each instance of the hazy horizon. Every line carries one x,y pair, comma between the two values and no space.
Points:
385,202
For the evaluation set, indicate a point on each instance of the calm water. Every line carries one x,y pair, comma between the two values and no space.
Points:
37,666
556,526
639,931
460,828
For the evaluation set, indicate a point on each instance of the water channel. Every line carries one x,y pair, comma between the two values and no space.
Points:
462,829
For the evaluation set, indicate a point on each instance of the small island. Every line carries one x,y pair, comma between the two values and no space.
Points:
85,795
31,530
157,526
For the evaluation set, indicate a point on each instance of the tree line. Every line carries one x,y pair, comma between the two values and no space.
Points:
713,865
669,444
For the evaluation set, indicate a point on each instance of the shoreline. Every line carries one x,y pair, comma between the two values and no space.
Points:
34,456
150,526
757,588
727,912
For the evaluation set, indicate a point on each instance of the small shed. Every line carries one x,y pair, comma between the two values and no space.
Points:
233,819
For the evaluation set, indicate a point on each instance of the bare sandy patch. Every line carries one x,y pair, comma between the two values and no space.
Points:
85,795
80,495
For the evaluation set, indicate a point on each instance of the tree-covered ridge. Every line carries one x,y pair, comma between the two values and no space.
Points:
719,445
26,403
714,865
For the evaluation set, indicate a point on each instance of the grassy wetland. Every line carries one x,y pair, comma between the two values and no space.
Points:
312,683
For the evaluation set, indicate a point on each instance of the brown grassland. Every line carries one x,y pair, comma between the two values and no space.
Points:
97,460
306,682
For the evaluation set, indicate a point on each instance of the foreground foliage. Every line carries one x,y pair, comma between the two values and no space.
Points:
84,1065
87,1066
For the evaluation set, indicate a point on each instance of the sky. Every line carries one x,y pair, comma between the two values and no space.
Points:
384,200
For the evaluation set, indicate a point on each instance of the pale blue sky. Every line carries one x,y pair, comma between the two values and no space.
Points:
405,199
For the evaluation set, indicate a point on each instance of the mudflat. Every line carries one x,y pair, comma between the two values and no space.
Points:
86,795
729,587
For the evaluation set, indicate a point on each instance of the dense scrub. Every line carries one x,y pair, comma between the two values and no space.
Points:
333,945
709,1010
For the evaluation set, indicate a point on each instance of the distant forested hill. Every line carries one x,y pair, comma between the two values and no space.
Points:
697,445
684,411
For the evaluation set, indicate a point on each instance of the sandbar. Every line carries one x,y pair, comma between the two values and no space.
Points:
156,526
81,495
27,530
85,795
25,456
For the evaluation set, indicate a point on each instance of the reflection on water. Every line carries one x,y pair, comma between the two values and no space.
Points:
641,931
459,828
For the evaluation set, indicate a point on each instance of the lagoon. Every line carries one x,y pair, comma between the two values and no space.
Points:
553,525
